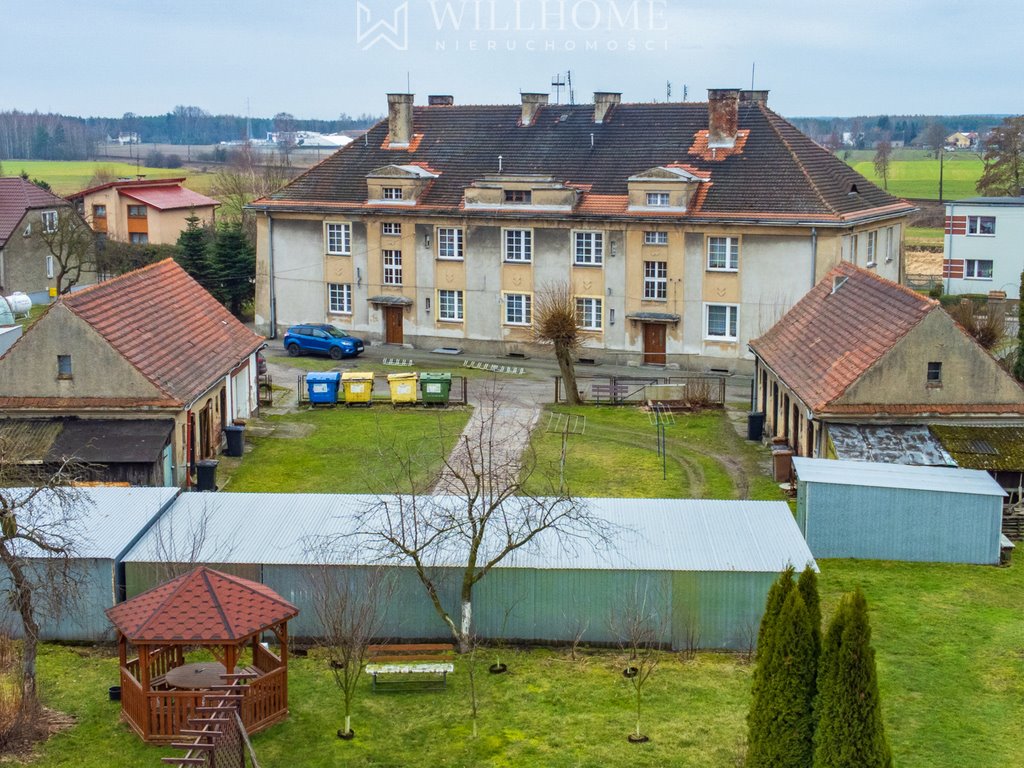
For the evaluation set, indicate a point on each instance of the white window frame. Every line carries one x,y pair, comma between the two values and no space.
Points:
50,221
524,310
450,306
975,222
890,234
339,298
456,244
590,313
732,322
655,281
976,262
655,238
659,199
872,242
732,253
588,248
391,228
392,193
391,263
338,238
520,252
50,271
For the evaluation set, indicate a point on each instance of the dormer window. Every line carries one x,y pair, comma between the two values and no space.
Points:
391,193
397,184
518,196
657,199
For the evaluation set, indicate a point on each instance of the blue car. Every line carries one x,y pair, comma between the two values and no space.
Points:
322,339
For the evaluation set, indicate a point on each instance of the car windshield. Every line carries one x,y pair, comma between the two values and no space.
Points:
331,331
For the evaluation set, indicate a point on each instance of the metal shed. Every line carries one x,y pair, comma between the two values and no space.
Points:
707,565
895,512
109,520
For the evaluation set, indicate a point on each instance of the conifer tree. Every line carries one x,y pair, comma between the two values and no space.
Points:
194,253
759,717
234,264
849,732
808,586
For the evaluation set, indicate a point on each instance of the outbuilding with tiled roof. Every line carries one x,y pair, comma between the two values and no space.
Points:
150,344
860,349
714,217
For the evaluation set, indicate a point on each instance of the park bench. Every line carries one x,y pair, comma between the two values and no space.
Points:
613,393
413,665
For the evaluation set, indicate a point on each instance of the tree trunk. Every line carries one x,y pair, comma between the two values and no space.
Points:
466,626
30,630
565,364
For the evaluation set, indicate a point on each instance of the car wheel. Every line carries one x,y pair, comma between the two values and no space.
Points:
293,350
336,353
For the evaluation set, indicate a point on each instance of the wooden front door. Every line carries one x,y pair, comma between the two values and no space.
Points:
393,325
654,344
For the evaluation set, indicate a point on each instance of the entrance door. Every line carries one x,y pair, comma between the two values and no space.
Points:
393,325
654,344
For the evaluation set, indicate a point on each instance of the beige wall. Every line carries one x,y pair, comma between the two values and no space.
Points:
969,373
166,226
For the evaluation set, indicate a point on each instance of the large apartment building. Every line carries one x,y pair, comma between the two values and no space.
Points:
683,229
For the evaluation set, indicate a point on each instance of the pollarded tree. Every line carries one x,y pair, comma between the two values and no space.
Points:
1004,159
849,732
555,322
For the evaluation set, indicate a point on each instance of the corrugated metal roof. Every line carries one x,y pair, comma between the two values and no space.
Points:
876,475
649,534
105,520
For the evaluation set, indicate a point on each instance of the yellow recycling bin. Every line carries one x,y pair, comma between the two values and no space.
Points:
358,386
403,387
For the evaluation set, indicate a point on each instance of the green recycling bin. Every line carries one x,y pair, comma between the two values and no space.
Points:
435,388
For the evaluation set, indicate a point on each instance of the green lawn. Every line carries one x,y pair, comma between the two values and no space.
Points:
617,456
915,173
345,450
66,177
950,652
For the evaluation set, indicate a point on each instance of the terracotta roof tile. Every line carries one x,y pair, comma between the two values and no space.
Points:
84,403
780,174
828,340
18,196
166,325
201,606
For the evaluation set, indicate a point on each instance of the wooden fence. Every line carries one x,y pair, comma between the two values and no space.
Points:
684,390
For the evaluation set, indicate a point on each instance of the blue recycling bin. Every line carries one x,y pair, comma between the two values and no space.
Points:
323,387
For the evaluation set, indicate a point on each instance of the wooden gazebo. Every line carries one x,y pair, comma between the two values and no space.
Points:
212,610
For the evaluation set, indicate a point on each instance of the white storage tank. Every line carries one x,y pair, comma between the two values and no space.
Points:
19,302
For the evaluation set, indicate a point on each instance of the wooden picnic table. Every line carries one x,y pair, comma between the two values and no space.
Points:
203,674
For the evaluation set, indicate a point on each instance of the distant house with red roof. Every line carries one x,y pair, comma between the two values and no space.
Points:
28,214
143,210
149,346
862,352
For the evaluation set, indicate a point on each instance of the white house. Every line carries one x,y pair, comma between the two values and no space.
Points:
983,249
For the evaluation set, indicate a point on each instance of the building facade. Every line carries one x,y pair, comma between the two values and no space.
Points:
983,249
683,230
143,211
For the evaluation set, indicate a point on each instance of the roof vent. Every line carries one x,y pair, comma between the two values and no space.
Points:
838,281
853,190
440,101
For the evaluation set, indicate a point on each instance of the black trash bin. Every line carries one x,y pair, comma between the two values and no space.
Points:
206,475
236,439
755,425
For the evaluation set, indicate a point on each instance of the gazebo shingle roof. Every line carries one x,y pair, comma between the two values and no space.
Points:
204,606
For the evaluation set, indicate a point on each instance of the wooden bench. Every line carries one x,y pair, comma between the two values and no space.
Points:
419,665
613,393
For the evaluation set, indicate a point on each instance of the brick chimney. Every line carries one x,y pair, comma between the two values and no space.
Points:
400,119
723,120
532,102
441,101
754,97
603,103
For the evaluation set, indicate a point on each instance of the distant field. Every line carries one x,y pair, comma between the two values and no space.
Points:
915,172
66,177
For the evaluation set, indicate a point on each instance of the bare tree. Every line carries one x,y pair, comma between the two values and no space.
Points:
350,606
72,244
555,322
39,530
638,624
246,178
487,514
935,137
182,544
1004,159
883,156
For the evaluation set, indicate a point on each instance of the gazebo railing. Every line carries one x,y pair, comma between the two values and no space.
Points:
265,701
264,659
133,700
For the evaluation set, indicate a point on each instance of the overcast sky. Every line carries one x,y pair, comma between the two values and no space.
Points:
319,58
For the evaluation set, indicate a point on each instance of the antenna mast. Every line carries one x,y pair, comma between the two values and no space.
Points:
558,84
753,65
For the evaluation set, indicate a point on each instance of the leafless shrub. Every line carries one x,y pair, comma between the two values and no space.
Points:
987,328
